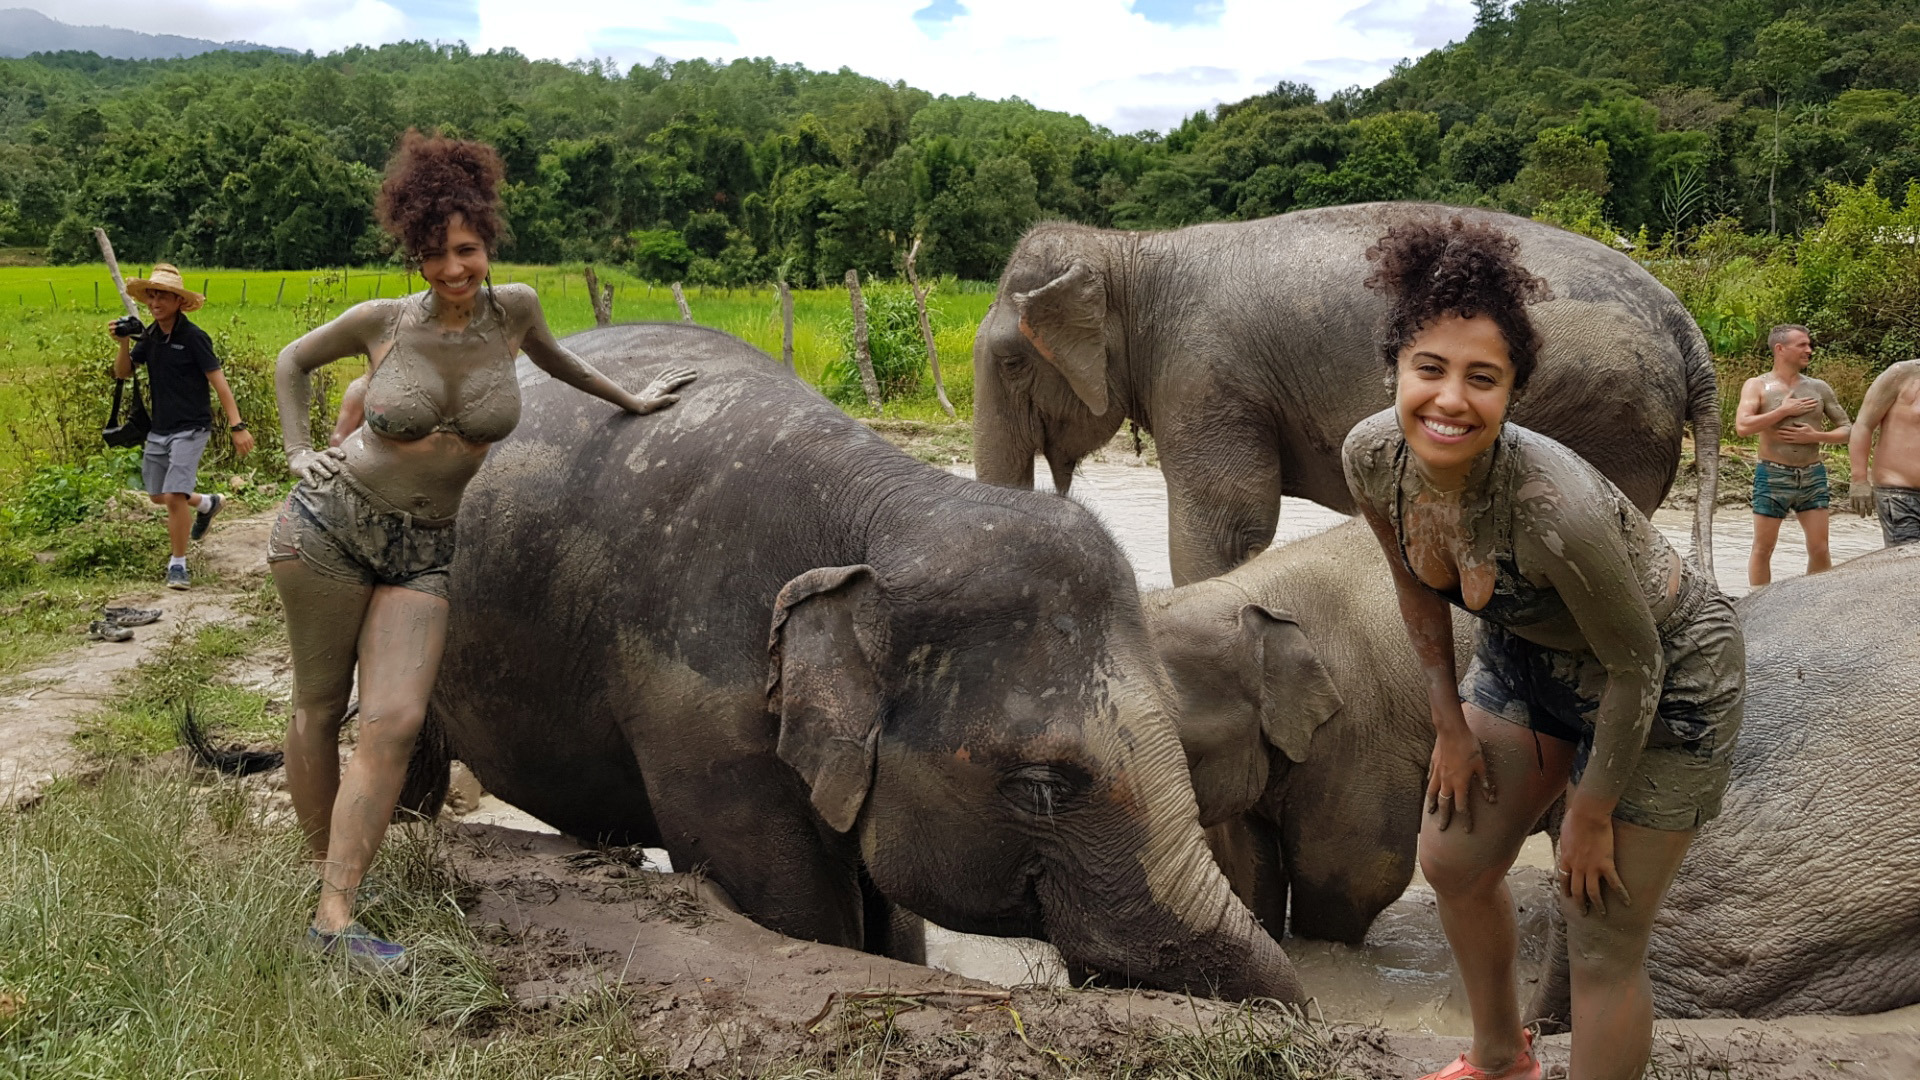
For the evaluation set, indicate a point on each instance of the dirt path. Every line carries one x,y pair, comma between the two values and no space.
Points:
40,709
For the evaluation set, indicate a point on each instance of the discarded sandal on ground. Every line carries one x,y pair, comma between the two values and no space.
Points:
361,950
1524,1067
132,616
103,630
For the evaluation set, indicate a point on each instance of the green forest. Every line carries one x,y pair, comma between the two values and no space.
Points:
1655,115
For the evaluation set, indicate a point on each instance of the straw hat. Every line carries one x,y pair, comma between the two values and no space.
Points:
165,278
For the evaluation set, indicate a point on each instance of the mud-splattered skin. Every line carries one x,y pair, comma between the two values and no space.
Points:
830,674
1593,575
440,389
1798,899
1774,392
1248,350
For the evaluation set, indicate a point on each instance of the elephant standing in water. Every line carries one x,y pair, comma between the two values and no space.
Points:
750,631
1304,717
1248,350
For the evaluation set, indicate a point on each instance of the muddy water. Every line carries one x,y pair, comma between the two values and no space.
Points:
1402,976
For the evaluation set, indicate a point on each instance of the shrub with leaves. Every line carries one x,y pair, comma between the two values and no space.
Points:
893,338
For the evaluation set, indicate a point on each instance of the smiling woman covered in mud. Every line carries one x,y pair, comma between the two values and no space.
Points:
1601,658
361,549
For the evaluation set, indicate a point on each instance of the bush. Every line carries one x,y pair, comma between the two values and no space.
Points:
101,547
893,339
16,566
56,495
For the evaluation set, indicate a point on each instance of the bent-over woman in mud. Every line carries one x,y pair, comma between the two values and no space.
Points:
361,550
1601,659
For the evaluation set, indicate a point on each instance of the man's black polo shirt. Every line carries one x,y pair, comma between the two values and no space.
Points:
177,365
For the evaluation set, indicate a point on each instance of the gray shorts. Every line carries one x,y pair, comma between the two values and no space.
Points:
1683,770
343,531
1899,510
169,463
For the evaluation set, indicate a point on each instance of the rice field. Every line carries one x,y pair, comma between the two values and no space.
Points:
52,318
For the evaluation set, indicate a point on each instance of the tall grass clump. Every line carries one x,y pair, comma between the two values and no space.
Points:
893,339
149,928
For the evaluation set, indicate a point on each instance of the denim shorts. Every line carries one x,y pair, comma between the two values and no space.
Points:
169,463
1683,770
1899,510
1782,489
345,532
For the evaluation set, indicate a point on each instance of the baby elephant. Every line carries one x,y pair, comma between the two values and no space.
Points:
1305,724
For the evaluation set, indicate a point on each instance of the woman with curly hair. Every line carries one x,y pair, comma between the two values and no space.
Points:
1601,659
361,549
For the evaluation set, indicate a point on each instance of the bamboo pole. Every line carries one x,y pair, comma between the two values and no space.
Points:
786,325
680,298
113,267
926,330
861,354
281,295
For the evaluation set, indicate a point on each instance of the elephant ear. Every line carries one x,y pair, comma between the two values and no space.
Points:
1066,320
829,634
1294,691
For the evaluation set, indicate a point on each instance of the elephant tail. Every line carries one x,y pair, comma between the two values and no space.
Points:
429,770
233,762
1703,412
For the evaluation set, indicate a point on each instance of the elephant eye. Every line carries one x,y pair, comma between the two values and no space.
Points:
1045,790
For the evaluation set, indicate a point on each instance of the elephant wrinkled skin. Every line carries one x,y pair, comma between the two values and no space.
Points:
750,631
1248,350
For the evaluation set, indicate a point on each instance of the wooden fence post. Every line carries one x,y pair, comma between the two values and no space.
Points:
861,354
52,293
602,299
243,292
113,267
282,294
680,298
786,325
926,330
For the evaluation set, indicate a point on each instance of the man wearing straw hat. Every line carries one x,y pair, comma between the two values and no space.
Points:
180,366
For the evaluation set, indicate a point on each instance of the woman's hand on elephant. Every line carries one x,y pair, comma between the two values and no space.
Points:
1860,498
317,465
1458,763
659,393
1586,864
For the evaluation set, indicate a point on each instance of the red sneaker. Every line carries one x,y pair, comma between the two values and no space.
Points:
1524,1067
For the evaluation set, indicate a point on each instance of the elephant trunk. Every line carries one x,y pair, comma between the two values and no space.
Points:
1163,913
1003,449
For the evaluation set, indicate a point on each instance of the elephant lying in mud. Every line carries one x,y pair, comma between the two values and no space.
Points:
1304,718
749,630
1800,897
1248,350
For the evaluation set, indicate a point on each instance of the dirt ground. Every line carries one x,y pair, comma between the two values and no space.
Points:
721,996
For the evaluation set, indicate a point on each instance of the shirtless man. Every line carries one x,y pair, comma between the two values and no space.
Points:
1892,408
1790,477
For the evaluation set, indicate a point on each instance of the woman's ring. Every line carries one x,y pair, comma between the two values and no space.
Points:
1446,796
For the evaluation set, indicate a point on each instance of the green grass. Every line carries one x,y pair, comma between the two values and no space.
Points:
50,321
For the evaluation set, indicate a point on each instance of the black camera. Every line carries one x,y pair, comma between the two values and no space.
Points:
128,326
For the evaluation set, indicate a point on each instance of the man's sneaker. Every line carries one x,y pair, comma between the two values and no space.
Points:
177,577
131,616
204,518
360,949
105,630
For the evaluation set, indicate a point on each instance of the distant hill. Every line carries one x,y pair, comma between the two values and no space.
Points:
23,32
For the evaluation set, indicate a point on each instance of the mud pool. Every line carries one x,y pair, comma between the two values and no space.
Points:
1402,976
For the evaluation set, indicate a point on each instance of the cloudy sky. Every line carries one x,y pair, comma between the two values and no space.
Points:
1128,64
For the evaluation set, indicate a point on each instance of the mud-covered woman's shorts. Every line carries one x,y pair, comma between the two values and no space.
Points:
342,531
1683,770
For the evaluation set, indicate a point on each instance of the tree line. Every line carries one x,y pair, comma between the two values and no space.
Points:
1662,116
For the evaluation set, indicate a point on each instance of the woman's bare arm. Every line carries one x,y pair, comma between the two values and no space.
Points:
560,362
352,333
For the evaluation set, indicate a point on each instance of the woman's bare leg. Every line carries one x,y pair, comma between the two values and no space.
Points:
1607,957
1468,872
400,646
323,627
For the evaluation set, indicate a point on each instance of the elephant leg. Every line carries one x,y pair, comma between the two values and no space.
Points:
891,930
1248,851
1223,497
759,839
1350,840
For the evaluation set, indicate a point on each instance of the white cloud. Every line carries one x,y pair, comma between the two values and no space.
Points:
1095,57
